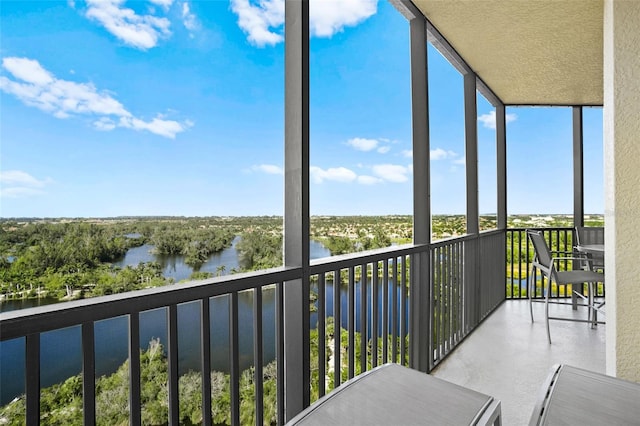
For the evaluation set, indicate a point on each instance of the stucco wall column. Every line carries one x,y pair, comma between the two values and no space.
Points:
622,186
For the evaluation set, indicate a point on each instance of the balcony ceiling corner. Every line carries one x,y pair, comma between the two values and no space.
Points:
535,52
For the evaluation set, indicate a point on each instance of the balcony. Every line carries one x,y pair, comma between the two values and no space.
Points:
448,314
477,338
509,358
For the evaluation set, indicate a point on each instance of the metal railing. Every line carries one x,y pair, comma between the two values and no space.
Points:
32,323
367,295
466,276
520,253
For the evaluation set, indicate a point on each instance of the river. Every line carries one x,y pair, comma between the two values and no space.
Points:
173,266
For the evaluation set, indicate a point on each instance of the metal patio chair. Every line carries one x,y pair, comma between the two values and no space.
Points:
591,235
547,262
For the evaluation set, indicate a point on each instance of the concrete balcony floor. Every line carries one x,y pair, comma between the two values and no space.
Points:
509,358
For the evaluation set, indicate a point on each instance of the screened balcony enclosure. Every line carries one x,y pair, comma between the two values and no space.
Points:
445,307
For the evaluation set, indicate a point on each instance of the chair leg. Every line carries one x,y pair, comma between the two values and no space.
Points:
531,288
546,308
592,305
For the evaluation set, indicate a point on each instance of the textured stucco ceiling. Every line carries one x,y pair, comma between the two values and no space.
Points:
529,52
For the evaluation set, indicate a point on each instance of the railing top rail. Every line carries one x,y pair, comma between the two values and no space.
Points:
543,228
22,322
447,241
490,232
354,259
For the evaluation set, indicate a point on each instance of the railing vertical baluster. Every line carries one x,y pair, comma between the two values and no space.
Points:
363,316
441,300
520,262
394,312
205,359
453,265
438,301
32,379
434,303
322,337
280,350
403,312
528,271
433,353
374,314
453,296
453,303
352,326
172,358
461,311
234,353
257,354
385,311
88,374
441,295
458,270
337,362
135,403
446,311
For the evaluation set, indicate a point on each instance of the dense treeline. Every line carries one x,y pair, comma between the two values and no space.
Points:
259,249
74,258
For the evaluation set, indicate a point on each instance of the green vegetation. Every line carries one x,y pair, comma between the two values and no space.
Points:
73,258
520,252
61,404
68,259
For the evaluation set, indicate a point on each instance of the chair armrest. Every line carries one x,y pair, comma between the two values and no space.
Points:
568,258
580,254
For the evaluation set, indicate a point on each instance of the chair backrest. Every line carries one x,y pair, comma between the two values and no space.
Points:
543,254
590,234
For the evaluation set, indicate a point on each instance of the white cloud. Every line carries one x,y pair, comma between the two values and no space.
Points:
37,87
338,174
362,144
257,21
27,70
165,4
489,120
139,31
407,153
392,172
268,168
441,154
16,184
262,21
368,180
327,17
381,173
159,126
189,19
105,124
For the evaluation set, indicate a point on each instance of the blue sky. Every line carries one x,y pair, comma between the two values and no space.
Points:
175,107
